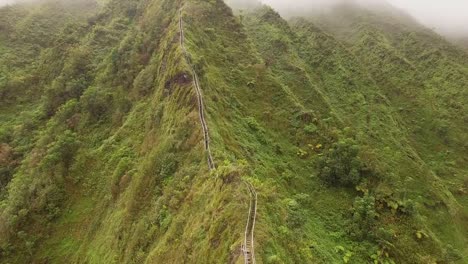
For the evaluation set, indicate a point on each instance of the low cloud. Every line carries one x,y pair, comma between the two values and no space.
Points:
10,2
449,17
6,2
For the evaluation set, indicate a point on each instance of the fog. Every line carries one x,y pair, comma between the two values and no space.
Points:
9,2
5,2
449,17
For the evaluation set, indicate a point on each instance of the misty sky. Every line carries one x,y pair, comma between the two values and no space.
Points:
446,16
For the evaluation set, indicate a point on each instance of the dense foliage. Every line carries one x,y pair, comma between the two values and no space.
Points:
341,165
352,132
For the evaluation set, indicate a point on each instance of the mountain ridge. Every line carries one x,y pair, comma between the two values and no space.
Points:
355,145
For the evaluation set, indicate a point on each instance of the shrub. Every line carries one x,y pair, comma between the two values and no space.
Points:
346,254
295,215
274,259
253,124
310,129
381,256
6,134
144,82
96,102
404,207
229,172
164,218
121,176
340,165
364,217
452,255
167,165
442,128
62,150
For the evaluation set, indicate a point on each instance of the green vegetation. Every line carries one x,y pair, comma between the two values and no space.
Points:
340,165
353,134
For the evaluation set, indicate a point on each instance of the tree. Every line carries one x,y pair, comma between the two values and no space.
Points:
340,165
97,102
62,150
364,217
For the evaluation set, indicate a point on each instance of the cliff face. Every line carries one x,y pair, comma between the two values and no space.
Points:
352,133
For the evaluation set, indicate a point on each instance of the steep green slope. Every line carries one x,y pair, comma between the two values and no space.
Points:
431,97
360,94
26,64
425,76
118,173
106,156
382,136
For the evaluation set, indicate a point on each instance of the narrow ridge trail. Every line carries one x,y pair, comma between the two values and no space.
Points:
248,246
201,106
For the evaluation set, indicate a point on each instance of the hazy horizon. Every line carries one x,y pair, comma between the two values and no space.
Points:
449,17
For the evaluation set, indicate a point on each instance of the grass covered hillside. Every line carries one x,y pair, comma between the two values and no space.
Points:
405,158
352,133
